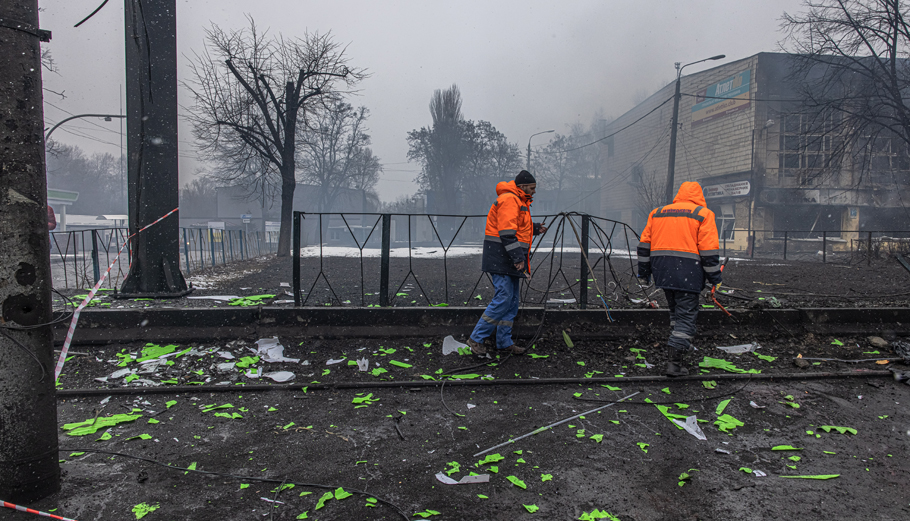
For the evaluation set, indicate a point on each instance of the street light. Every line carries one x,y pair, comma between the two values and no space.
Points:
528,166
672,166
107,117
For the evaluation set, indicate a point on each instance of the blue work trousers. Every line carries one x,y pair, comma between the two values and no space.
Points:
498,316
683,311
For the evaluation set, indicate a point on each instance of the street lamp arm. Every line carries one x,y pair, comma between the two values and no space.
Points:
49,132
718,57
528,166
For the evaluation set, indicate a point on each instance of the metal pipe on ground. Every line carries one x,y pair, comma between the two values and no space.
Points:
662,380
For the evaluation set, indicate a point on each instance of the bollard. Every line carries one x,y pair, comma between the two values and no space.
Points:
384,262
583,289
295,254
785,245
96,270
824,247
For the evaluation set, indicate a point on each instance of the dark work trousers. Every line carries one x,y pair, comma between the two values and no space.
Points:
683,310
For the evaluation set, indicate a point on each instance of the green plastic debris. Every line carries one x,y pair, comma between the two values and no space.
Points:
214,407
643,446
469,376
842,430
303,515
191,467
246,361
611,388
665,390
378,371
517,482
440,305
325,497
94,425
252,300
106,436
709,384
140,437
597,514
816,476
829,452
794,458
546,477
567,339
747,470
791,404
367,400
400,364
785,447
766,358
721,406
598,437
170,403
719,363
727,423
341,493
535,355
531,508
244,485
456,467
143,509
427,513
837,342
491,458
665,410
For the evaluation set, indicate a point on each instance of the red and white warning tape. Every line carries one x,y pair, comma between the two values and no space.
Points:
91,295
33,511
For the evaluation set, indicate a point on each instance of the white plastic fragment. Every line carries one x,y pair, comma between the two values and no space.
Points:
284,284
280,376
333,361
756,406
467,480
272,500
121,373
739,349
215,297
561,301
103,379
251,374
691,426
226,366
269,350
722,451
471,406
226,354
450,345
104,401
759,473
363,364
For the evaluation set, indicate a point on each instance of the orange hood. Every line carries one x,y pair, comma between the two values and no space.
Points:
690,192
510,186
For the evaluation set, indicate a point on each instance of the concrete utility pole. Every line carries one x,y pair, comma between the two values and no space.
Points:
151,124
28,406
671,168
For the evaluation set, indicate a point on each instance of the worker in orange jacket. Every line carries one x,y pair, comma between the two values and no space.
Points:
506,257
679,247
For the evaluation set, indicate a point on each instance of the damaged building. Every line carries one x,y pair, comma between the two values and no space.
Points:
769,165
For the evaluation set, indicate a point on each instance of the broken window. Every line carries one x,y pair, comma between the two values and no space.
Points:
726,222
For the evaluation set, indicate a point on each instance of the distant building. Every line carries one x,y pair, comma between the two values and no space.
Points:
743,136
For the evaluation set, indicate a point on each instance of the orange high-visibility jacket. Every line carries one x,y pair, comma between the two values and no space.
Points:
679,245
509,231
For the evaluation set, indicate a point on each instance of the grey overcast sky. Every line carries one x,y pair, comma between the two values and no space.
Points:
523,65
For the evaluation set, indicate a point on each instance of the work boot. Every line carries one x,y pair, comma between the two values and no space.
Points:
514,349
675,362
476,348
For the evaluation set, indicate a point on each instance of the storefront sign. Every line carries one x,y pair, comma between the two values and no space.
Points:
722,98
736,189
216,225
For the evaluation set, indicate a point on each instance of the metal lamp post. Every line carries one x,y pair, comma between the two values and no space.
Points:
528,164
672,166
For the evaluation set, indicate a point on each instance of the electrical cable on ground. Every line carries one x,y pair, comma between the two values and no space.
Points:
672,402
281,482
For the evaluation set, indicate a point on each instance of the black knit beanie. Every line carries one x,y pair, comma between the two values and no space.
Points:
524,178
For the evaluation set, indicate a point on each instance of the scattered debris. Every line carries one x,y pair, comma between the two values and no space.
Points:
739,349
214,297
450,345
691,426
466,480
363,364
279,376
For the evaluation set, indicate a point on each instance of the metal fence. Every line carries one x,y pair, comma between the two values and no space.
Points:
78,258
383,252
842,246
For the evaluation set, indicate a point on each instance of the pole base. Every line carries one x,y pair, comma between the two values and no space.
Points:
120,296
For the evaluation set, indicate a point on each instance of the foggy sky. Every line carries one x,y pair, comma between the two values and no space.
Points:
523,65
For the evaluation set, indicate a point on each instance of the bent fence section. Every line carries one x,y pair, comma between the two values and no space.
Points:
371,259
78,258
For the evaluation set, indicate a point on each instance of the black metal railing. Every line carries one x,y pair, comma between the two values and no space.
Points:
79,257
844,246
440,256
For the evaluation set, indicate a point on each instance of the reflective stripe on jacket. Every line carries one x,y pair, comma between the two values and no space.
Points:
679,245
509,231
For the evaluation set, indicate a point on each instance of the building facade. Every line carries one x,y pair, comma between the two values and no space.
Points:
764,162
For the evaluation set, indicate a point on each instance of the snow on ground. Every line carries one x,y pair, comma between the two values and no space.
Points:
425,252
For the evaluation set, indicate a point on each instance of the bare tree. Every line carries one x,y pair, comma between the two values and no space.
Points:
440,148
336,154
252,93
650,189
852,73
